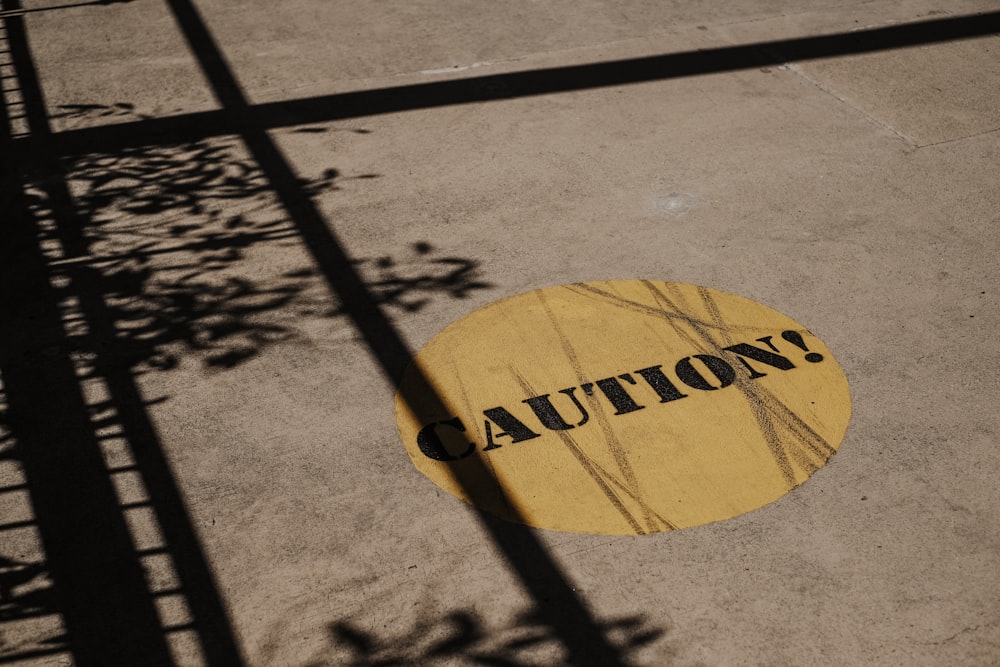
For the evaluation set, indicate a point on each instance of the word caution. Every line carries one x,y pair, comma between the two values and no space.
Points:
623,393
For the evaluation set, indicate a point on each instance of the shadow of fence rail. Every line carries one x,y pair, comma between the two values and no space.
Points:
115,265
90,299
118,265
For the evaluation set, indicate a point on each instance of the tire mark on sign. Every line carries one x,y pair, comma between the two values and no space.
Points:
767,408
592,292
511,508
588,466
618,450
758,408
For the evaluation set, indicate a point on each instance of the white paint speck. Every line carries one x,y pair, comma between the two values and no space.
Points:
675,204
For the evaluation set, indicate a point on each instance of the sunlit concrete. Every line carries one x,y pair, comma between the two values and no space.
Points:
857,194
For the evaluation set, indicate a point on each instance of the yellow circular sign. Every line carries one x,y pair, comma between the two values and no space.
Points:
623,407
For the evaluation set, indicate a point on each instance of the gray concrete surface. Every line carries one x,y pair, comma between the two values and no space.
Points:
168,317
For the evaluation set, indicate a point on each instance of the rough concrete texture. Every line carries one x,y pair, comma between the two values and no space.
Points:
180,329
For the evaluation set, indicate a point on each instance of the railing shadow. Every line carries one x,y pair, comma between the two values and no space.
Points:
122,264
126,600
558,606
140,311
514,85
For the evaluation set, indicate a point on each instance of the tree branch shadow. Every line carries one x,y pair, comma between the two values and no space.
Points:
173,232
464,637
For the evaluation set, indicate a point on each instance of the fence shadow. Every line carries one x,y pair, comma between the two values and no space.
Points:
26,587
118,265
142,305
111,615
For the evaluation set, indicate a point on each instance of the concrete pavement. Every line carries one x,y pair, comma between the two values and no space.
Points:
230,224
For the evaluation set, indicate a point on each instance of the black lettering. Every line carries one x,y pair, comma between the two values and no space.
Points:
576,402
433,447
763,356
767,341
795,338
690,376
549,416
615,393
661,384
512,428
754,373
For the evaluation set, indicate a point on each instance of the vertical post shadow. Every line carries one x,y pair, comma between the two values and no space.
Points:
559,607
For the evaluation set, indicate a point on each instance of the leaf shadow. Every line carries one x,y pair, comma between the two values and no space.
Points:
464,637
180,239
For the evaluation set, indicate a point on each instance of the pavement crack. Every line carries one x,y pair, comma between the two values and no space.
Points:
963,631
955,139
797,69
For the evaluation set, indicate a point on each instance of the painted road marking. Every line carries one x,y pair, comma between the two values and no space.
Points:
623,407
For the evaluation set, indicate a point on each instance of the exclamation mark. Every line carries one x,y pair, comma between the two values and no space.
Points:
795,339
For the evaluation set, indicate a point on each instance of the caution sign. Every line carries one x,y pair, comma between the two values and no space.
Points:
624,407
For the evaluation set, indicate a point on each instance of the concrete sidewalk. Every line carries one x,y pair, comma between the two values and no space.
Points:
229,225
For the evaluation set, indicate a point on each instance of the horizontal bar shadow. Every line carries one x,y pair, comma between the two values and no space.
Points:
496,87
